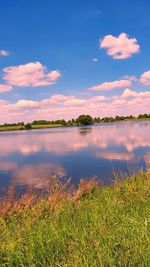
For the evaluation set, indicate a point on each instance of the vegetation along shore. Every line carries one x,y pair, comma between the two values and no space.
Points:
87,226
81,120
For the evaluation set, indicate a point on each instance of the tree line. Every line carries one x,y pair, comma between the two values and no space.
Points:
81,120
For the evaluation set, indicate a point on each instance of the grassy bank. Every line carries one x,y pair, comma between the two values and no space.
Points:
90,226
17,128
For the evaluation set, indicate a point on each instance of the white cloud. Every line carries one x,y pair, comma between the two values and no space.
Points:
145,78
26,104
30,74
106,86
5,88
120,47
67,107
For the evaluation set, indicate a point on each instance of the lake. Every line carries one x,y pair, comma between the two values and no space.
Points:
30,158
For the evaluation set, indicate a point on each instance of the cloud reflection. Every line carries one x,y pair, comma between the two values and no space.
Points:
37,175
62,141
21,153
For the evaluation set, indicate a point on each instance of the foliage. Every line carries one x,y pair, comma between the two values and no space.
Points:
84,120
28,126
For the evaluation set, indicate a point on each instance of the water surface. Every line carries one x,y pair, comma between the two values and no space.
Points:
30,158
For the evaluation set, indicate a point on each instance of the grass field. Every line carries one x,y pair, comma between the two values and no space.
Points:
46,126
10,128
16,128
89,226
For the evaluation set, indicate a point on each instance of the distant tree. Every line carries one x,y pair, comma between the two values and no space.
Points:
106,119
28,126
117,118
20,124
84,120
98,119
63,122
69,123
131,117
142,116
146,115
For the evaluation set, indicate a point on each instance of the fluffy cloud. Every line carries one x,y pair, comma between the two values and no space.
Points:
3,103
133,94
106,86
129,93
26,104
4,53
5,88
120,47
145,78
30,74
67,107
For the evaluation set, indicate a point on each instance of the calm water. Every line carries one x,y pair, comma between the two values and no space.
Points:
30,158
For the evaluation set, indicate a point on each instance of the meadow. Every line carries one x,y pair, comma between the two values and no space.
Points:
86,226
20,128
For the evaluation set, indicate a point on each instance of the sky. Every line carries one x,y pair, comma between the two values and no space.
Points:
60,59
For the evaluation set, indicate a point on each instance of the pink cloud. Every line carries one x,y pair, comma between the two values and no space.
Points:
145,78
120,47
99,98
4,53
67,107
26,104
129,93
58,98
106,86
130,78
30,74
3,103
74,101
134,94
5,88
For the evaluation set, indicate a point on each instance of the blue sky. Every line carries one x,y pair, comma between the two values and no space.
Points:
66,36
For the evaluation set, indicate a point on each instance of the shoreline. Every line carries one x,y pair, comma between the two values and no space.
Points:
51,126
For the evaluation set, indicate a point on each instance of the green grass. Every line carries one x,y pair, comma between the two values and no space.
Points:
43,126
10,128
139,119
16,128
93,226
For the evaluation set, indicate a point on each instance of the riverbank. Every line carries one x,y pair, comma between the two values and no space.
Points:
22,128
89,226
46,126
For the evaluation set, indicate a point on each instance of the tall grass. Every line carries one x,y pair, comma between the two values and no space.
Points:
88,226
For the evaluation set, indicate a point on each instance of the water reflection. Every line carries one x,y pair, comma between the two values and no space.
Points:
32,157
86,130
36,175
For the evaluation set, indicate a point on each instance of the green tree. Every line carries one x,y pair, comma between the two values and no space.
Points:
84,120
28,126
63,122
